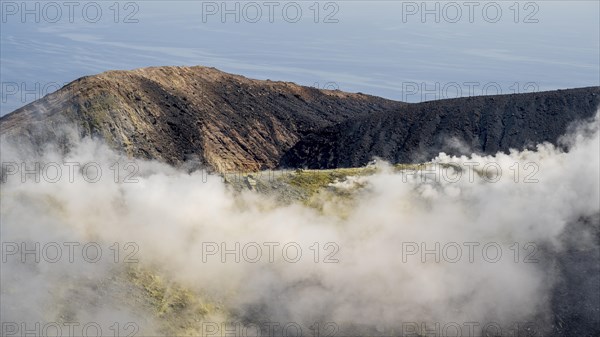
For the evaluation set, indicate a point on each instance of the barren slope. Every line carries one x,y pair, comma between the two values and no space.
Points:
227,122
176,114
484,124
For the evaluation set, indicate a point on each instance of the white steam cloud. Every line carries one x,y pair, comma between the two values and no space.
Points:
376,267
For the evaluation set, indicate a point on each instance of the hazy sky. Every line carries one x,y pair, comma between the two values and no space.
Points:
396,49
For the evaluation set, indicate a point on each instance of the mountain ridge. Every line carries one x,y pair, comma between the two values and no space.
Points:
478,124
232,123
175,114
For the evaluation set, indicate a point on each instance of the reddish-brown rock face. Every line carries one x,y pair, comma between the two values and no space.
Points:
175,114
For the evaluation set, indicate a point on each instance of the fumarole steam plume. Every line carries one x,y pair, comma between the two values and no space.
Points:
464,251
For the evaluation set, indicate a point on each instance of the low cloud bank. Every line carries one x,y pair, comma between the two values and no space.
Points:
410,252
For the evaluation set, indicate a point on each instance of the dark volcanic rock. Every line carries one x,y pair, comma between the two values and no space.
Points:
418,132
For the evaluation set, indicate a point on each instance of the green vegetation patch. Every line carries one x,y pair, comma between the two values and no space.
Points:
314,180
